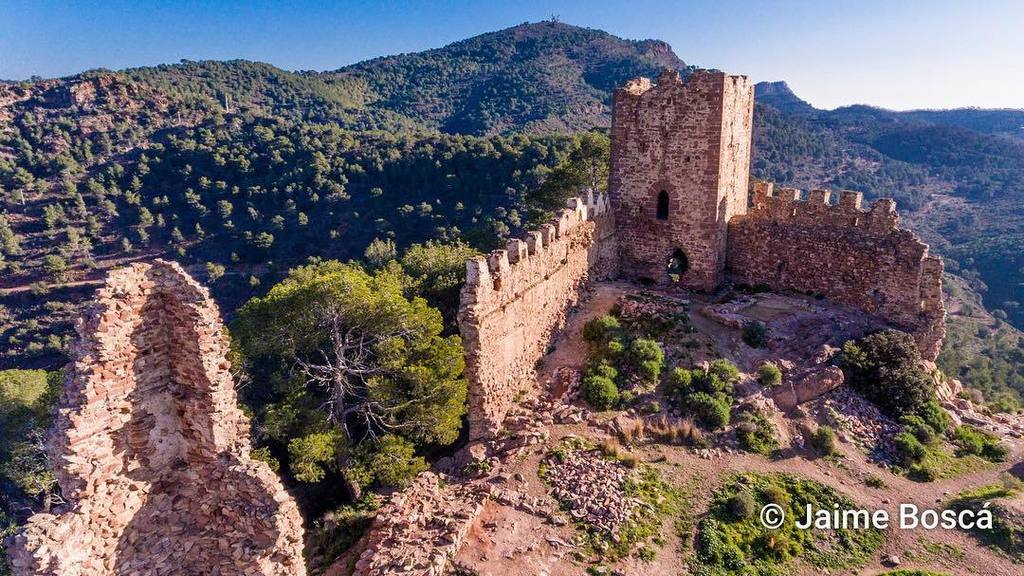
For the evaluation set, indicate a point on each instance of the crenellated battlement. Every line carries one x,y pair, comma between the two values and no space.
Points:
843,251
515,299
787,204
527,260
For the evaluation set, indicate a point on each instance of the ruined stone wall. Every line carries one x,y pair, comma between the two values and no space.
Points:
690,139
151,450
515,299
856,257
420,529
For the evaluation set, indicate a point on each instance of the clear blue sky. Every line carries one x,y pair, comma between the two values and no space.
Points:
893,53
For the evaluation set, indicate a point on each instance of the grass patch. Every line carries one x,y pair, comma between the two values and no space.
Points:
729,541
942,550
1007,533
941,464
756,433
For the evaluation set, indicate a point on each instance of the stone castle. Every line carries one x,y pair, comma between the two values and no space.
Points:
152,451
678,211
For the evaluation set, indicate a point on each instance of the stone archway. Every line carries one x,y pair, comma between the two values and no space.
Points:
678,264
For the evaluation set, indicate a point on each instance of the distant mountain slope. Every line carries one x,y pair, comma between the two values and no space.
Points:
362,151
545,77
778,95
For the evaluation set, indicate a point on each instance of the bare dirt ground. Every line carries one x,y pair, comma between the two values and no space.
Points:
510,541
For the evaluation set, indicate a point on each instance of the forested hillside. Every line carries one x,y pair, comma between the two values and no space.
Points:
242,170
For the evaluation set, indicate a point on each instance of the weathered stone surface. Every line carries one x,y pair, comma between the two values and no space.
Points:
514,300
852,256
151,450
691,140
419,530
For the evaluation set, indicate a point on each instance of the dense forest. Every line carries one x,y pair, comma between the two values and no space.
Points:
405,165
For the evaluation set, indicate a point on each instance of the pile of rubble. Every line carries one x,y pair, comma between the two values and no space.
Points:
421,528
860,422
730,313
591,488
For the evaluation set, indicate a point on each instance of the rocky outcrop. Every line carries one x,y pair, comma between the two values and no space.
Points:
152,451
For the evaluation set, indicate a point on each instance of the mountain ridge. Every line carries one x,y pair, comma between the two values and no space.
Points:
443,114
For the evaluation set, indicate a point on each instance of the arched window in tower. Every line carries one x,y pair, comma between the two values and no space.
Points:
662,213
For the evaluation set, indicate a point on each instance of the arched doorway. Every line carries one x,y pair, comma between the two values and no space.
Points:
678,264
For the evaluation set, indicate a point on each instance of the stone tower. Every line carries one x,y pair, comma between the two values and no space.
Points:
680,164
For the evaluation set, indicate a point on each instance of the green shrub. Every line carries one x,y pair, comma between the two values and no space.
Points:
923,472
645,358
971,440
614,349
768,374
910,449
757,434
601,330
600,392
884,368
712,412
776,495
756,334
605,370
742,505
680,381
935,416
725,371
824,441
919,428
874,482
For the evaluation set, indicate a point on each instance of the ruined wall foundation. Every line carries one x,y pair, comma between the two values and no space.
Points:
151,450
843,252
515,299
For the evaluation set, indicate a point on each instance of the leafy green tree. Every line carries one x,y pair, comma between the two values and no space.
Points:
437,271
585,168
363,361
214,271
26,399
380,252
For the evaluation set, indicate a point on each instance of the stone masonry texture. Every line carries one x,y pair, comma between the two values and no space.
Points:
843,252
514,301
690,140
152,451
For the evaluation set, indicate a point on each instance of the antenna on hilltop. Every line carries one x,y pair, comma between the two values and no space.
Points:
555,18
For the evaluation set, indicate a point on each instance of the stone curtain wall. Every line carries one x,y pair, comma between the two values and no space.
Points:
151,450
691,139
515,299
856,257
